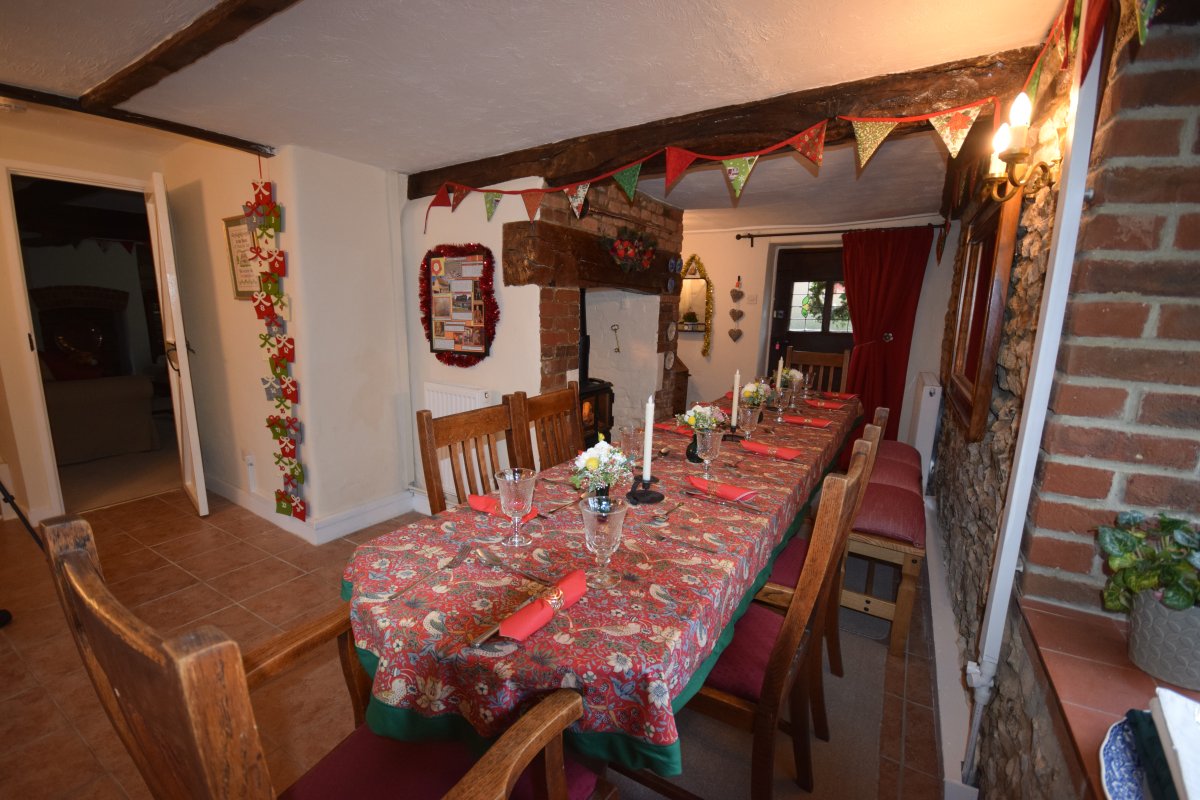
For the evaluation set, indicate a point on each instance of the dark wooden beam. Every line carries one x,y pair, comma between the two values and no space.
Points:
218,26
750,126
73,104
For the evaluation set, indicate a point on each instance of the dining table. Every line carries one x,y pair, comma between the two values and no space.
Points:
421,595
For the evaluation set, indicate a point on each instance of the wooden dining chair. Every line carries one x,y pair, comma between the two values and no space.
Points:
750,682
554,418
181,706
832,369
471,439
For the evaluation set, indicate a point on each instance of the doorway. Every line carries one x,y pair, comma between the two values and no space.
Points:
809,309
88,264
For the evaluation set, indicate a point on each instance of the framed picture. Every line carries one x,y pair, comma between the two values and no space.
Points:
240,238
456,282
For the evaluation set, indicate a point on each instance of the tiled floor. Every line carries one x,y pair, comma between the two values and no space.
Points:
248,577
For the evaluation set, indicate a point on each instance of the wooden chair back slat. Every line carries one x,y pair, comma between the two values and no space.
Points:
471,440
554,417
832,369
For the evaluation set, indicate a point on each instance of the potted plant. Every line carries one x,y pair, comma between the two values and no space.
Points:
1155,565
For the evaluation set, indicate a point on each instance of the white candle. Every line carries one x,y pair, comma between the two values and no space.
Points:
1018,120
737,390
779,375
1000,142
648,439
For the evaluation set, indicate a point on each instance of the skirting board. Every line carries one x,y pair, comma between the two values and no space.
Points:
953,712
323,529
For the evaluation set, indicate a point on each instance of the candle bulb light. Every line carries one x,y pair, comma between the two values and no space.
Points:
737,390
1000,143
1018,119
648,440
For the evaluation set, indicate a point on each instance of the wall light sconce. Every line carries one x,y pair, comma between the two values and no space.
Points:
1010,170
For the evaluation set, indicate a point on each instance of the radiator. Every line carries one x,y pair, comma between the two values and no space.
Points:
447,398
922,430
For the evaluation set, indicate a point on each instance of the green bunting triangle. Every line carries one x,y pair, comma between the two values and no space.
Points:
490,201
737,172
627,179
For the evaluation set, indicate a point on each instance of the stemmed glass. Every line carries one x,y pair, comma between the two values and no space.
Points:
516,500
603,518
782,400
747,420
708,445
806,382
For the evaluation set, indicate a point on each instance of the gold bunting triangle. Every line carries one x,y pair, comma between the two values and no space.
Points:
954,127
737,172
867,138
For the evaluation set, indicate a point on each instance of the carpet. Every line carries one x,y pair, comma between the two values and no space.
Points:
716,757
107,481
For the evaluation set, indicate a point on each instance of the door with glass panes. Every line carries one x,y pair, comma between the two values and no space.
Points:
810,310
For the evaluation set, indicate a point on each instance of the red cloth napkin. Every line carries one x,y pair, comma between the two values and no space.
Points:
808,422
840,395
521,624
491,505
831,404
725,491
729,395
682,430
786,453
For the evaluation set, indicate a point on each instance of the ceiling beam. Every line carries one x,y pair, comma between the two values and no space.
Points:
218,26
750,126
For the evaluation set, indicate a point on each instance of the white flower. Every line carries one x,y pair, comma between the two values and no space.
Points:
668,636
589,676
441,588
564,638
659,694
569,681
481,688
433,694
503,670
407,622
620,662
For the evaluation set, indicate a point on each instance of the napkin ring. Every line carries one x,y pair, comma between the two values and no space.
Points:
555,598
774,451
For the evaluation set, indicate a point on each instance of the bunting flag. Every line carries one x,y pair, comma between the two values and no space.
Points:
737,172
442,198
576,195
490,201
954,126
457,196
810,143
867,138
678,160
627,179
533,201
1144,10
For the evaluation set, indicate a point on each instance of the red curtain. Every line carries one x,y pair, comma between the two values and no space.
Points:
883,273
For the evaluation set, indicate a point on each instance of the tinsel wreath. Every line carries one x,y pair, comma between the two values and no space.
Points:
491,310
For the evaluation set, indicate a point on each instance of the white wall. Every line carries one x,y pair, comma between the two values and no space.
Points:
637,371
514,363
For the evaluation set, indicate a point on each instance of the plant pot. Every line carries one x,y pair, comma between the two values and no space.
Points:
1164,642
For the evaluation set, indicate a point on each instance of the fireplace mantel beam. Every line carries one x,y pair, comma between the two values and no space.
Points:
545,254
749,126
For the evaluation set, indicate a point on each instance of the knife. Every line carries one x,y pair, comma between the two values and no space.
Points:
723,502
494,629
556,509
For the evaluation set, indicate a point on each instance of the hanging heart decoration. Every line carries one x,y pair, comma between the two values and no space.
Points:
735,333
736,314
736,294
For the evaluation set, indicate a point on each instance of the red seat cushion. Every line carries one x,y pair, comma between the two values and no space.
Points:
742,665
788,564
899,451
365,765
892,512
900,474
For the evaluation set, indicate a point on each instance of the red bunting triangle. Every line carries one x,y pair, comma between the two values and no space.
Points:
678,160
810,142
442,198
533,201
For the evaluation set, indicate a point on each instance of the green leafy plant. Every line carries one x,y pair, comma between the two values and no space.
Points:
1160,554
690,316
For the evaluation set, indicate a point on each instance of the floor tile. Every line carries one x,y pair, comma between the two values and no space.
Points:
153,535
186,605
74,766
271,539
920,739
53,658
234,555
255,578
247,629
918,687
130,564
160,582
889,779
194,544
29,715
295,597
920,786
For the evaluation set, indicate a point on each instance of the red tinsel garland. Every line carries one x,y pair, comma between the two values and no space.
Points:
491,310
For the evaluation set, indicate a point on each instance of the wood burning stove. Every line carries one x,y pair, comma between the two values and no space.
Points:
595,409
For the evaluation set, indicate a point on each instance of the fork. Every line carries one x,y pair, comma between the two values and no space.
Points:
459,557
496,562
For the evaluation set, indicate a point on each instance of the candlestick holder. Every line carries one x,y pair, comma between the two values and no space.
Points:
644,495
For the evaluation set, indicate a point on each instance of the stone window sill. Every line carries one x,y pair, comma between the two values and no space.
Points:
1085,657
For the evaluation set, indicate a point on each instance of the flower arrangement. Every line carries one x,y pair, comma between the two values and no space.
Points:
791,377
755,394
1161,554
600,466
632,251
702,418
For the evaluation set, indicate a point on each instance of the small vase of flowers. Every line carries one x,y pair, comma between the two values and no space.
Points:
600,467
755,394
700,418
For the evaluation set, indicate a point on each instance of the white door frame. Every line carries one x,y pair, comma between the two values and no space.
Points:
21,372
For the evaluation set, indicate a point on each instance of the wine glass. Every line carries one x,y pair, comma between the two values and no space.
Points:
603,518
806,382
782,400
747,420
516,500
708,445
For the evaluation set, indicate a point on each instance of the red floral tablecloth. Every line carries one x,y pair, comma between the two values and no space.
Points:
630,650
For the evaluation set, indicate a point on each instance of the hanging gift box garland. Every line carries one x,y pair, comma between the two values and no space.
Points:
271,305
458,302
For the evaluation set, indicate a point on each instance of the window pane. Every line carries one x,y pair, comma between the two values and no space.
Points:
839,321
808,306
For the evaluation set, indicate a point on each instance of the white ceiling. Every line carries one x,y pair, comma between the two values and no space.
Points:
424,83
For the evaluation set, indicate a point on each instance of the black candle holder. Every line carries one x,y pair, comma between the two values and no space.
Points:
644,495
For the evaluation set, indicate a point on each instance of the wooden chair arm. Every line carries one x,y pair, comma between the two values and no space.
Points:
776,596
279,653
494,775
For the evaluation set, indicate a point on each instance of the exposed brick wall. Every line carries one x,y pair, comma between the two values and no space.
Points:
1124,427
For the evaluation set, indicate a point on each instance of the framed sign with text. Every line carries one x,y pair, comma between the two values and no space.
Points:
240,238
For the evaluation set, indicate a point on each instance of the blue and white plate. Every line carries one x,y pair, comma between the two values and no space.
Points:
1121,772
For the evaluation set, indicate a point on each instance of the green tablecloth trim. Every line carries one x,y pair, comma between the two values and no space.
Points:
664,759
